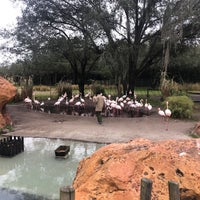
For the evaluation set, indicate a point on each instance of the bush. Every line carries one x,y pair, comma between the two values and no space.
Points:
170,87
96,89
181,106
63,87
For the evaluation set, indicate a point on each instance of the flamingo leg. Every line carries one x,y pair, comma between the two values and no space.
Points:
167,123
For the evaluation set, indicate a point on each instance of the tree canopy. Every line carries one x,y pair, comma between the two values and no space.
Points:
128,36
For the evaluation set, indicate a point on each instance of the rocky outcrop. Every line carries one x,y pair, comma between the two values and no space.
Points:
7,92
115,171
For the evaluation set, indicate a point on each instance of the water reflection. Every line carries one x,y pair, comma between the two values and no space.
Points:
36,171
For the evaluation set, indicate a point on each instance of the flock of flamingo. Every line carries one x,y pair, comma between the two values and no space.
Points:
85,106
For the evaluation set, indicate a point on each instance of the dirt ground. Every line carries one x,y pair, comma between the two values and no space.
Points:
30,123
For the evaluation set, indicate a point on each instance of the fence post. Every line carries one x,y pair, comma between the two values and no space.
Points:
174,193
145,189
67,193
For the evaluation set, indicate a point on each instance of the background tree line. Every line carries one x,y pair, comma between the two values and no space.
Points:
124,41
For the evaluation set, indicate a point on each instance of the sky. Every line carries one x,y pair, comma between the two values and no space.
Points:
9,12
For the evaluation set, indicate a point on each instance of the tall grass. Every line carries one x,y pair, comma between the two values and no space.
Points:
42,92
191,87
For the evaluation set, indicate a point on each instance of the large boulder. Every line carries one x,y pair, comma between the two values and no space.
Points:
115,171
7,92
196,130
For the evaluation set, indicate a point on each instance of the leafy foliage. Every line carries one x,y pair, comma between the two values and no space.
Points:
181,106
126,36
169,87
97,89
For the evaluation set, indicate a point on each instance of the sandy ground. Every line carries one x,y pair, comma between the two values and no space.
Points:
29,123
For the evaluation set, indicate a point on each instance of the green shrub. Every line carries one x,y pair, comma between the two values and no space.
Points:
75,87
63,87
181,106
41,88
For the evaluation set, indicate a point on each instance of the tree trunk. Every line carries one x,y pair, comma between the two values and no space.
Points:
81,86
124,85
81,83
119,92
132,71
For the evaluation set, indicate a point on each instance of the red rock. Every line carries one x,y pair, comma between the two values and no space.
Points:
115,171
196,129
8,91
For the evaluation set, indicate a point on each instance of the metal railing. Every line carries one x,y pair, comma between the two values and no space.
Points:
11,146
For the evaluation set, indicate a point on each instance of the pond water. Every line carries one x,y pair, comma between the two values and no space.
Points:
36,173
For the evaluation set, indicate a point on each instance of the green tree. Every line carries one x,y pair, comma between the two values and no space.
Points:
145,27
135,22
178,16
60,20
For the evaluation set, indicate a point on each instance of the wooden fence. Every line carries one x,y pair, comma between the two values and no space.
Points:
68,193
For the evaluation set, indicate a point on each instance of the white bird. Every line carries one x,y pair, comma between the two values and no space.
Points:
82,100
67,102
132,105
36,101
139,104
149,108
120,99
146,104
168,111
64,95
78,103
28,102
88,95
121,104
77,96
124,96
72,99
57,103
161,113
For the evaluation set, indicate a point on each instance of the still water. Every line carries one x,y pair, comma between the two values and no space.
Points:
36,173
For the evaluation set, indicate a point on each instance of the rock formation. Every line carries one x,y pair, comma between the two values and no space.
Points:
196,130
7,92
115,171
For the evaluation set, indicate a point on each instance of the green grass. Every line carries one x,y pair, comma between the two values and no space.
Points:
44,95
44,92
